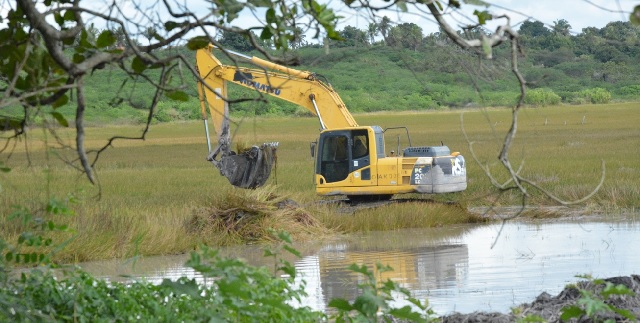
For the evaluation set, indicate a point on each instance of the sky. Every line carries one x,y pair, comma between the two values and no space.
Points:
579,13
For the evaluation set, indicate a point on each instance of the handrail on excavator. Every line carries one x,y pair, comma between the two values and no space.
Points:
267,64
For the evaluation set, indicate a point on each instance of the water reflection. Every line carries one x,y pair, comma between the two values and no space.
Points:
455,268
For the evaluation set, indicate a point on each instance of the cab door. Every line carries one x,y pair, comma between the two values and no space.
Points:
333,156
344,152
360,161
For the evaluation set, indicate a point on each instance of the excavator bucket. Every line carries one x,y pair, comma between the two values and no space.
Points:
250,168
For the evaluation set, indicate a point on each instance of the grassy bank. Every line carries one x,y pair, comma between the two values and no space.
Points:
149,191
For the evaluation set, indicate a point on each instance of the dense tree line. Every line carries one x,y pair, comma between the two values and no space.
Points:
555,58
617,42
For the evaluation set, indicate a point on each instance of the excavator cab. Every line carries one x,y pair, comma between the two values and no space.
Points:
342,152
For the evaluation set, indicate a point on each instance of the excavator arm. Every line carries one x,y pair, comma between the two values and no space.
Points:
251,168
299,87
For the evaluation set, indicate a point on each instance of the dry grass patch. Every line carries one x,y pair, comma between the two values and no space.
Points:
243,216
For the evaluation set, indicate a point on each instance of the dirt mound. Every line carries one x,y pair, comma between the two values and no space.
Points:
585,296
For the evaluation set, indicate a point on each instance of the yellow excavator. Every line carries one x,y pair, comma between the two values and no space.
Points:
349,159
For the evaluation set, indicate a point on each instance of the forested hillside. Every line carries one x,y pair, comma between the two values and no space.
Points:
398,68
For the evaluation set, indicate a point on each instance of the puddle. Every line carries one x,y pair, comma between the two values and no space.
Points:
455,268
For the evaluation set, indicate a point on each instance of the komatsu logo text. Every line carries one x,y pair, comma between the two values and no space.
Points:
247,79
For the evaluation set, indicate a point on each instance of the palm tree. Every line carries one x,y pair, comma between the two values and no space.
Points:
372,31
298,38
149,33
384,27
562,27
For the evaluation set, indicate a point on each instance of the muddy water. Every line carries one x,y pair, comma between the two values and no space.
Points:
464,268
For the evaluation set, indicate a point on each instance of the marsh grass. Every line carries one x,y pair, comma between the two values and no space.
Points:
414,214
149,190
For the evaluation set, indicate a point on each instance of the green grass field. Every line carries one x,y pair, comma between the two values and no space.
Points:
149,190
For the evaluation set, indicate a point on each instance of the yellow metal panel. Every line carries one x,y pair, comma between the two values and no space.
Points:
387,171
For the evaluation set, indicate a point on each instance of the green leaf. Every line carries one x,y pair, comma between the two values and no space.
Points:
58,18
285,236
368,304
106,38
626,313
138,65
232,288
340,304
68,41
289,270
77,58
359,269
180,287
270,16
611,289
402,5
9,256
483,16
634,18
170,25
383,268
266,33
177,95
60,118
69,15
406,313
60,101
474,3
571,312
292,251
198,42
592,305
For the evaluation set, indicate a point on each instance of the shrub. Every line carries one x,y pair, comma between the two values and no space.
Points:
596,95
629,90
542,97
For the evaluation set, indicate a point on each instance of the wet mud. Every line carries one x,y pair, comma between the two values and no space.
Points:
550,308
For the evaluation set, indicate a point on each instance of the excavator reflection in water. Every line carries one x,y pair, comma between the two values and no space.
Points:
425,270
349,159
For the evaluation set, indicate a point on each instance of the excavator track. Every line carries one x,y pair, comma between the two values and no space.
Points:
350,206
